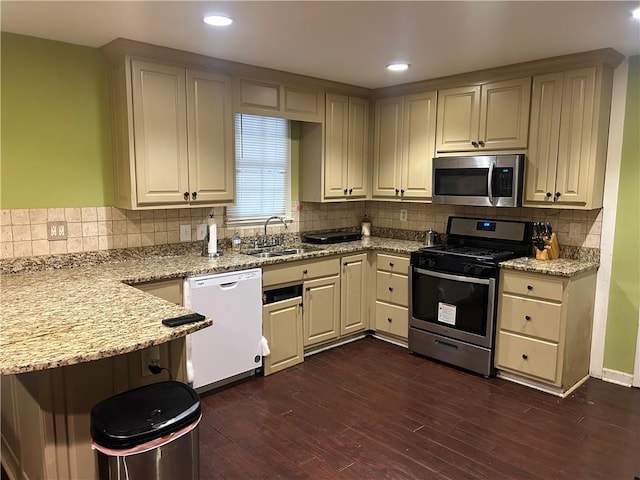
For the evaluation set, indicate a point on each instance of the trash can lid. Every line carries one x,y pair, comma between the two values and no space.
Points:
144,414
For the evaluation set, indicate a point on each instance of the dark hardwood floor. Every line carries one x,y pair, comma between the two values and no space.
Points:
371,410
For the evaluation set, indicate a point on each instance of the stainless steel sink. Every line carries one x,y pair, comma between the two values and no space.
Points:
283,252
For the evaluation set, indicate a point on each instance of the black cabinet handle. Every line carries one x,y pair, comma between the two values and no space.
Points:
186,196
525,356
308,289
194,195
548,194
527,317
402,191
305,271
390,264
397,191
391,289
345,191
481,143
557,195
475,144
389,320
350,191
345,263
529,287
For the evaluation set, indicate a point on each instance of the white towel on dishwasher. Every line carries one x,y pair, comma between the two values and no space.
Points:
264,347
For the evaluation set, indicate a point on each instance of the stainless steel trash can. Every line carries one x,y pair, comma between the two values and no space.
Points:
150,432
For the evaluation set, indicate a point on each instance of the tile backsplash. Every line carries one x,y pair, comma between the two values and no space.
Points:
24,231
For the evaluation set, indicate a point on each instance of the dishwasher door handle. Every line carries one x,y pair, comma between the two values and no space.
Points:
228,286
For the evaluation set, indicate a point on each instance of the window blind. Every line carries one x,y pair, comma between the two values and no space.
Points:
262,168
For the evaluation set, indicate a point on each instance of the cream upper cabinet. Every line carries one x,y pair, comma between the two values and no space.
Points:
404,146
569,123
353,316
278,100
346,147
494,116
174,136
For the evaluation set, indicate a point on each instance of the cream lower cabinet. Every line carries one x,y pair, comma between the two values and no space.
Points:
353,298
569,130
493,116
282,326
321,310
404,146
46,415
544,328
391,314
173,136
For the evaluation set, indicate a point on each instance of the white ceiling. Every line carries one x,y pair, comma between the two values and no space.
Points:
349,42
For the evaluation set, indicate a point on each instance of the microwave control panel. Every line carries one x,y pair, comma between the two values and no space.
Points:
502,182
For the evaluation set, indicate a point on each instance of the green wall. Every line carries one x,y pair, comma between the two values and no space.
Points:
624,295
55,127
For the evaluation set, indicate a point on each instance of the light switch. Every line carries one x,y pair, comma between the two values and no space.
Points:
185,233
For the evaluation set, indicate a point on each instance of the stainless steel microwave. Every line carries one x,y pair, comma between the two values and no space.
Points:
481,181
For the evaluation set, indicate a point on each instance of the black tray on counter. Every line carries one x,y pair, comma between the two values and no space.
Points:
331,237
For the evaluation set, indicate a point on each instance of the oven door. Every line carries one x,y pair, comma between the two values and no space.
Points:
453,305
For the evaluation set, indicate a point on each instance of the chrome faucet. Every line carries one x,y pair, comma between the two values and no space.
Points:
266,223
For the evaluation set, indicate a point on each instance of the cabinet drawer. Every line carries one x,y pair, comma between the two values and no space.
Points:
299,271
531,317
532,286
392,263
392,319
392,288
527,355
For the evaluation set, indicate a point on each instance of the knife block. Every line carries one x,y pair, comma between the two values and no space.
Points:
551,249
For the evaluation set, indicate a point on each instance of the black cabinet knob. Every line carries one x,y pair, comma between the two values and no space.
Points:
391,289
345,191
529,287
475,144
345,263
391,264
389,320
402,191
557,195
527,317
308,289
186,195
305,271
525,356
548,194
397,191
481,143
350,191
194,195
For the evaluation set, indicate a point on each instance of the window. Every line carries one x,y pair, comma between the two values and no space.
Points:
262,169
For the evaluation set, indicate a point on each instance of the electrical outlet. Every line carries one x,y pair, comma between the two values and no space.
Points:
150,356
201,232
185,233
57,230
403,215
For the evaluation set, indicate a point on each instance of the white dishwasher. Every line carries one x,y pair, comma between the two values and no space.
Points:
231,348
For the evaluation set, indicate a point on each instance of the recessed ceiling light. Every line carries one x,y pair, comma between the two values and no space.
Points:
217,20
397,66
636,13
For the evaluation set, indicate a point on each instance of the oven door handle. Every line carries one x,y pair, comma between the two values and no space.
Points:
490,181
457,278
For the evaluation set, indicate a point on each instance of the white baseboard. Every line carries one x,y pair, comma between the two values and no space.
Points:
619,378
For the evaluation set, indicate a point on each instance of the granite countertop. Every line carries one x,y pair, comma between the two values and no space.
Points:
562,267
53,318
57,317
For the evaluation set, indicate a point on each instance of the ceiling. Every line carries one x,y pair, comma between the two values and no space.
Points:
349,42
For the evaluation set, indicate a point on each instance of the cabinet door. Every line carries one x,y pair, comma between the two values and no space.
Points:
358,148
504,114
545,135
458,119
418,144
387,154
160,132
282,327
336,146
353,294
321,310
575,155
211,162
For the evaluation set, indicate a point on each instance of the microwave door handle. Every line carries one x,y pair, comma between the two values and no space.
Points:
490,181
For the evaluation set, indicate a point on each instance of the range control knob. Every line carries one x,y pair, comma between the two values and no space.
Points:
430,263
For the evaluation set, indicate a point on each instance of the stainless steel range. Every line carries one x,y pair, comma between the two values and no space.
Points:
453,291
